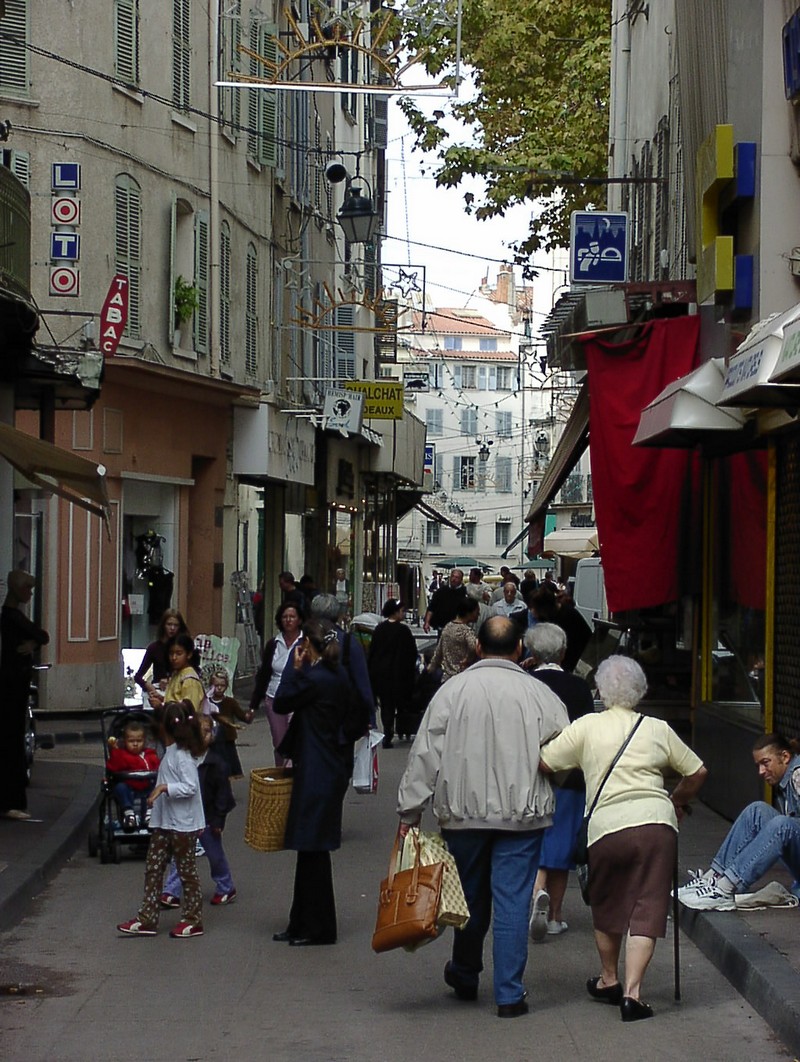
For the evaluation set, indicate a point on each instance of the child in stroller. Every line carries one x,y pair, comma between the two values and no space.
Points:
132,765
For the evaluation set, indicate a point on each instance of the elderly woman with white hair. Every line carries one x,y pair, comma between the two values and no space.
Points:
633,829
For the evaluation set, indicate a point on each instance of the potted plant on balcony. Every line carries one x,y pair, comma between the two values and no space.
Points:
186,301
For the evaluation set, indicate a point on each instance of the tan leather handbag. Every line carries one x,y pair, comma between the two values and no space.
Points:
408,903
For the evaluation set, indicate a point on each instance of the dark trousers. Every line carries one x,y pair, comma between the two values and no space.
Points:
13,768
390,706
313,912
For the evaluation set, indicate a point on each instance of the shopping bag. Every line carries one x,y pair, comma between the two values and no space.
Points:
407,904
453,910
365,762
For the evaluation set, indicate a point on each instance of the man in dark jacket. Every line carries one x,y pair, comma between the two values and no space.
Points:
443,604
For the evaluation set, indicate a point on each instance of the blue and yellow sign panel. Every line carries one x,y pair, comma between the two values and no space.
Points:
383,399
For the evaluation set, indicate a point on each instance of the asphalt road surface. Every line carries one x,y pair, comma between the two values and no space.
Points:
87,994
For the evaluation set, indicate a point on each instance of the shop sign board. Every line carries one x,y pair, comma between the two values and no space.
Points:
114,315
383,399
598,247
343,411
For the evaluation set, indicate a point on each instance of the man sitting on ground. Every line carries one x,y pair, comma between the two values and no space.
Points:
759,837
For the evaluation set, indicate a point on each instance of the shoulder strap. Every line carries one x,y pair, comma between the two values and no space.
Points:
613,764
346,651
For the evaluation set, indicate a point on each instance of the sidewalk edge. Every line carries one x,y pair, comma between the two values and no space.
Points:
24,882
756,970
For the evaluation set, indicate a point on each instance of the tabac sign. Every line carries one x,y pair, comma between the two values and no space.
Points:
383,399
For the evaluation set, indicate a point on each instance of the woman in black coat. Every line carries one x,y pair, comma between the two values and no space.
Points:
317,690
392,666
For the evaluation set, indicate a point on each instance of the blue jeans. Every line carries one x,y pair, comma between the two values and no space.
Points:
757,840
217,862
132,799
497,869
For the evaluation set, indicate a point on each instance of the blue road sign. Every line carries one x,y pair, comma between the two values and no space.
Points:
66,175
598,251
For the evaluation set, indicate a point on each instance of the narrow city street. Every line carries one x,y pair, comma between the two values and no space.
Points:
88,994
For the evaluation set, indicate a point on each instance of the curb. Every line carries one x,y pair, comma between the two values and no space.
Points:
25,880
46,739
756,970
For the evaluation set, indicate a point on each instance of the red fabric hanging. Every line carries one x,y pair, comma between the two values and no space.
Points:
637,490
748,521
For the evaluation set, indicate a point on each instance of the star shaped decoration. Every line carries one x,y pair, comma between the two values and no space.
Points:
427,16
406,283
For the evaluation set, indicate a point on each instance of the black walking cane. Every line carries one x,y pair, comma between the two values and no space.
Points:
676,911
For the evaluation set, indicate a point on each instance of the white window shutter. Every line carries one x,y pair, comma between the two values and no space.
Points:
492,377
457,377
20,166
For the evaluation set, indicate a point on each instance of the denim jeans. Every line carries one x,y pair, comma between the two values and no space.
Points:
497,869
756,841
217,863
132,799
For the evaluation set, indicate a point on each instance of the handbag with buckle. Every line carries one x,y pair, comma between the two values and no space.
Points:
408,903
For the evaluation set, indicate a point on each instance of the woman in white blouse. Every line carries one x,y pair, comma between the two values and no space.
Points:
288,620
633,829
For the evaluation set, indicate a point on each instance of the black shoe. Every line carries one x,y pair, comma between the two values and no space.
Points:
282,938
469,993
513,1010
310,942
631,1009
610,994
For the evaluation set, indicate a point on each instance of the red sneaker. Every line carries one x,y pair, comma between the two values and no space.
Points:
223,897
168,900
134,928
185,929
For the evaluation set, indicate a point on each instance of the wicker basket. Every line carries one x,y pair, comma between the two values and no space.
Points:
268,808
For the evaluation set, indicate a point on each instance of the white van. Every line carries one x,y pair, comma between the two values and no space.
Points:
589,591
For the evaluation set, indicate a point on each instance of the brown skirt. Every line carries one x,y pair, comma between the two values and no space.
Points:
630,876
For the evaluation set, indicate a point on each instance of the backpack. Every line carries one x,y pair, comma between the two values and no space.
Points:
355,720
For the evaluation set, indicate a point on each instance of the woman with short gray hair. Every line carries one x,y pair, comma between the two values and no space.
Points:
633,828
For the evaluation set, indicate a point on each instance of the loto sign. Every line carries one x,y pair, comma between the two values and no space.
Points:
114,315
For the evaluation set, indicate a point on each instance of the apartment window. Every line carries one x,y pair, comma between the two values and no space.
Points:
433,533
502,423
505,378
262,104
502,474
14,69
468,533
126,41
438,471
128,245
230,37
452,342
464,473
487,343
251,313
501,533
468,377
436,375
225,294
433,423
469,421
181,54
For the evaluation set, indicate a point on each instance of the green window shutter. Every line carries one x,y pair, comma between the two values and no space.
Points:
251,312
14,70
128,245
173,243
20,166
225,294
201,281
126,41
181,53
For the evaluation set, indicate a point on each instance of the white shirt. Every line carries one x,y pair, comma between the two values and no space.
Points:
181,807
279,658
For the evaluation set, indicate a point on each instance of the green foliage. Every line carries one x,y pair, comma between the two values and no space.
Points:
537,120
186,300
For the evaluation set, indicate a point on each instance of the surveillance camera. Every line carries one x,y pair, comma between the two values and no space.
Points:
335,172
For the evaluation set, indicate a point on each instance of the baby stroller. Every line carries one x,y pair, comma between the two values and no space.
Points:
110,836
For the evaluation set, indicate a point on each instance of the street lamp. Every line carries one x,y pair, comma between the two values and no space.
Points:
357,216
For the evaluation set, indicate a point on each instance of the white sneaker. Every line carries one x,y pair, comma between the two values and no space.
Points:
698,880
708,898
539,913
554,929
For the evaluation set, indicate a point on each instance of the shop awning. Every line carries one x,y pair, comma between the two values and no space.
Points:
572,542
431,514
571,446
685,413
566,455
50,468
749,374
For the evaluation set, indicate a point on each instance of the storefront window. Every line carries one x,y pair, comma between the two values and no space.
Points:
739,580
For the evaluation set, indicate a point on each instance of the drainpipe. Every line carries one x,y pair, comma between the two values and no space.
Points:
213,188
618,131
